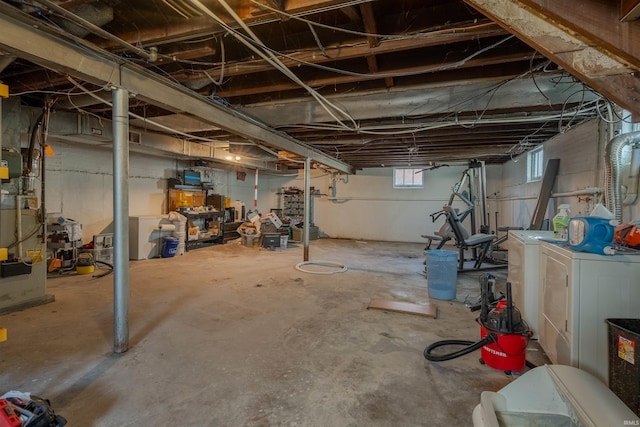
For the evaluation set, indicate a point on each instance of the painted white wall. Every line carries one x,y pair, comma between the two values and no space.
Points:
79,185
366,206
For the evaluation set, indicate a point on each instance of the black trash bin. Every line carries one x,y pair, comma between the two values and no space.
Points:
624,361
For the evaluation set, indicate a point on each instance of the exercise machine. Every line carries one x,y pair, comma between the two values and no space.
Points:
480,245
445,233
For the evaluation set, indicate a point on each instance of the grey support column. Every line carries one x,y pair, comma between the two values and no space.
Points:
307,206
121,220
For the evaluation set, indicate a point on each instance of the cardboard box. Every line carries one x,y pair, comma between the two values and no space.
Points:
298,233
273,218
193,233
249,240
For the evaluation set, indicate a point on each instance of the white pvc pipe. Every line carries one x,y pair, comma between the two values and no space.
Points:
585,191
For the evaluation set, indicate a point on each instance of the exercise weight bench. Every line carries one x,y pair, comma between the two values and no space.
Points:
479,241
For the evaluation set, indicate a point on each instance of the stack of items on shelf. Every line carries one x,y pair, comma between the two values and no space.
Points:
64,238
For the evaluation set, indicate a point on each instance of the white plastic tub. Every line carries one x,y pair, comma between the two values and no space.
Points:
554,395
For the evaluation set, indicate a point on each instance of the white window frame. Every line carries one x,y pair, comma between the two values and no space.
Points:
535,164
408,178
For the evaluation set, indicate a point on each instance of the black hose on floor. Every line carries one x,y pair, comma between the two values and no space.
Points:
106,273
470,346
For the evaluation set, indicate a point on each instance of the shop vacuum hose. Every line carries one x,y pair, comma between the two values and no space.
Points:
470,346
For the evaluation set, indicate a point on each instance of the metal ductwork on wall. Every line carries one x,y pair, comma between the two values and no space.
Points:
614,170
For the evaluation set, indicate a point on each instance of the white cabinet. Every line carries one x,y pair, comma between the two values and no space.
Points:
578,292
523,273
145,236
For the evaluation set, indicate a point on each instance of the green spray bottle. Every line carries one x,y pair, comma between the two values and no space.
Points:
561,223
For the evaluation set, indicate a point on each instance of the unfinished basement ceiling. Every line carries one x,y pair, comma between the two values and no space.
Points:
368,83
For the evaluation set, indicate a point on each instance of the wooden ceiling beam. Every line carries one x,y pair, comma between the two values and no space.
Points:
205,27
595,21
342,79
352,13
428,139
339,53
514,130
629,10
301,6
601,71
370,26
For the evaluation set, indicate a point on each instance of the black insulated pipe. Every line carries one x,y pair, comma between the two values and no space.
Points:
509,308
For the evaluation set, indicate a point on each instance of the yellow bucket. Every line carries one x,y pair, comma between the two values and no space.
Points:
85,263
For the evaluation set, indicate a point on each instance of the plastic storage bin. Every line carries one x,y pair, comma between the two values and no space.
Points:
624,362
169,246
442,273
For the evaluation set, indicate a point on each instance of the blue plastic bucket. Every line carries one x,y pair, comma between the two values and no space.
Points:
442,273
169,246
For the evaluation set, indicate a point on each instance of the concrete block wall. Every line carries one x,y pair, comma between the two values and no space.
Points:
79,185
581,165
366,206
581,151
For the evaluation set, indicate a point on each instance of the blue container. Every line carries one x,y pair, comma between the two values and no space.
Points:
442,273
169,246
591,234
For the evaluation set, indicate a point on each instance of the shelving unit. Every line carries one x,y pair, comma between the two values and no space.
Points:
293,206
211,228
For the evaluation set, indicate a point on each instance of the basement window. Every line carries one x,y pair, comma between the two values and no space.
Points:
407,178
534,164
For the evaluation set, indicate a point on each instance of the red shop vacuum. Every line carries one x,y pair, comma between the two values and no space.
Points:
504,334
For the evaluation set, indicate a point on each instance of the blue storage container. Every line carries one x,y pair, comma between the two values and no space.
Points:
442,273
591,234
169,246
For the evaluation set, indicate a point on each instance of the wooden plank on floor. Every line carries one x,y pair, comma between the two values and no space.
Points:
428,310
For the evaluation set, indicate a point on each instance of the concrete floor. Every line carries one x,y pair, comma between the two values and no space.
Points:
235,336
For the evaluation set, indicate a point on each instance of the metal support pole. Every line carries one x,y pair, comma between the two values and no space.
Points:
307,206
121,220
484,228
